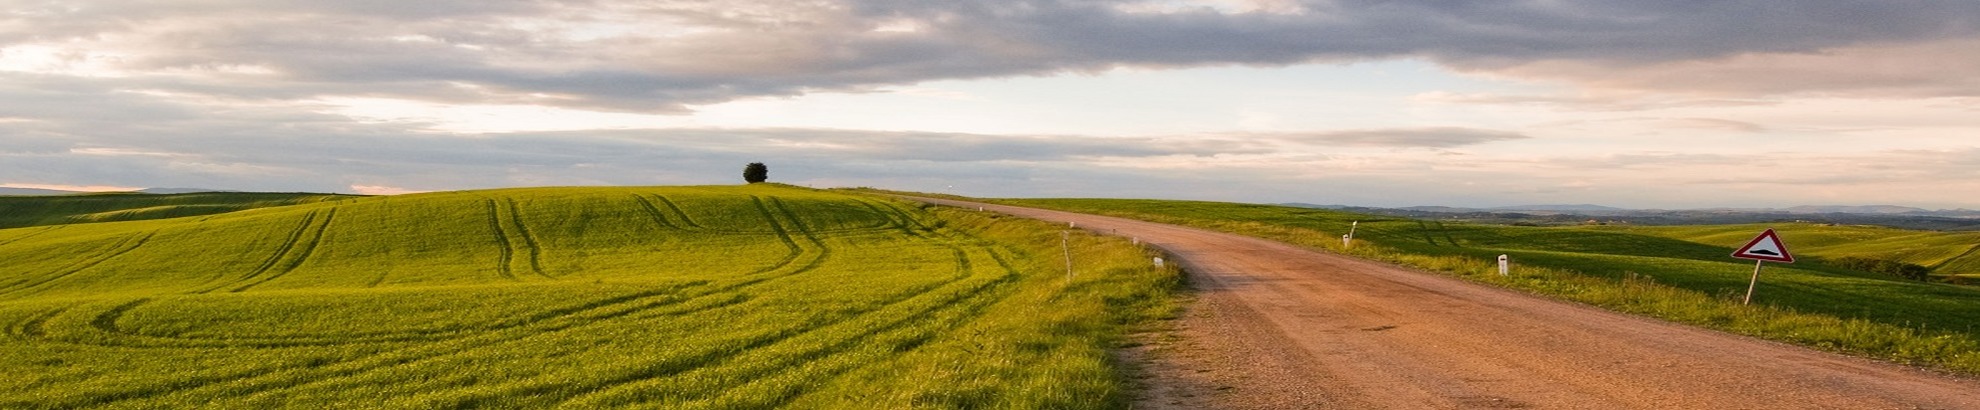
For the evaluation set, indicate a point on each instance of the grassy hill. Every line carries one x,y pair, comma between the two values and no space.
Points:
686,297
1678,273
24,211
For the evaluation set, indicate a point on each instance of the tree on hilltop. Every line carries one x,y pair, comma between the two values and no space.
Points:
756,172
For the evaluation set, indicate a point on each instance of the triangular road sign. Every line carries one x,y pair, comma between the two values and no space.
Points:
1766,247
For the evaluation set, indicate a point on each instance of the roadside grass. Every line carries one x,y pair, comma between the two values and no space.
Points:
1682,274
670,297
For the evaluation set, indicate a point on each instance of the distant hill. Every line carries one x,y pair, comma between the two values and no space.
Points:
33,192
1560,208
1848,209
1882,215
180,190
25,211
1314,206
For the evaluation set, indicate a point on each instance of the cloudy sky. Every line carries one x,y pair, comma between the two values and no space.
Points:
1668,104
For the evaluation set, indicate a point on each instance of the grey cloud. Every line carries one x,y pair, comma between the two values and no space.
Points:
663,57
281,147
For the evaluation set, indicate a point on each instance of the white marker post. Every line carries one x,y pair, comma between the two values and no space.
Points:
1763,248
1065,241
1158,261
1348,240
1505,265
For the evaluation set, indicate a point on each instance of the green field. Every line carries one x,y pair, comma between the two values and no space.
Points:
1677,273
683,297
23,211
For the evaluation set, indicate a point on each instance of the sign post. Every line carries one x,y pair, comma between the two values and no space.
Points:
1065,241
1763,248
1505,265
1348,239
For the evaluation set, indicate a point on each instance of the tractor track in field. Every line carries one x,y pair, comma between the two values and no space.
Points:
963,266
295,235
921,303
654,212
903,321
685,219
529,240
506,251
31,328
1962,255
273,272
1277,326
123,246
31,234
638,305
490,339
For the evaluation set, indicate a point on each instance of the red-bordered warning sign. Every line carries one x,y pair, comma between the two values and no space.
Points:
1766,247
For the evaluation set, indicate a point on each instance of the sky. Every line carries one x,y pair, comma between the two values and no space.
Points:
1638,104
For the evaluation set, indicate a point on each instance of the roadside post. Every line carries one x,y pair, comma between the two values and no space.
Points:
1505,265
1763,248
1347,240
1065,241
1158,261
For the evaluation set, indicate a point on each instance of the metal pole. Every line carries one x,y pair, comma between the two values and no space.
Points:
1754,283
1066,242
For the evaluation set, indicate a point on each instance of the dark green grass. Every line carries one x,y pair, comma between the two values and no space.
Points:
676,297
25,211
1678,273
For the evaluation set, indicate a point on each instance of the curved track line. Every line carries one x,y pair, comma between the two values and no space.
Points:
31,328
122,247
654,212
789,265
637,305
919,305
529,240
32,234
296,262
507,251
689,220
295,235
1969,252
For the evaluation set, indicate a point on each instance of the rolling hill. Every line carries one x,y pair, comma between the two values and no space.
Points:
682,297
24,211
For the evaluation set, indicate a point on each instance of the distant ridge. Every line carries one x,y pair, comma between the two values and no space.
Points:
1885,215
1848,209
180,190
1559,208
47,192
33,192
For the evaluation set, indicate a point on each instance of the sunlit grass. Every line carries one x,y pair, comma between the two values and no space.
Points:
679,297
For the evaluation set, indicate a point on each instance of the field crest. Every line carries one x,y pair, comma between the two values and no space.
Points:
539,297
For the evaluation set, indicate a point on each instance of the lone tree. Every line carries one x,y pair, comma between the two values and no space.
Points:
755,172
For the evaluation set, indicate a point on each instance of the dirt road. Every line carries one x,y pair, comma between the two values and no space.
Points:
1281,327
